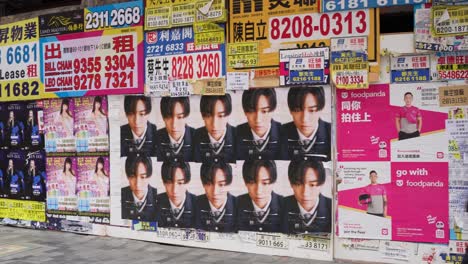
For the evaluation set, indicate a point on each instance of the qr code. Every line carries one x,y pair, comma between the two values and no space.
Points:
440,233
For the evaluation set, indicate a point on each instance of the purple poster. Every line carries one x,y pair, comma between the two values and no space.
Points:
59,121
91,124
93,188
61,185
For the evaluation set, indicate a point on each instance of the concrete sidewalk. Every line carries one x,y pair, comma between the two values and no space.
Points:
20,245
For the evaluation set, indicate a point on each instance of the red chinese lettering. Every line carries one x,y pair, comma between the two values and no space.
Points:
53,51
32,70
123,43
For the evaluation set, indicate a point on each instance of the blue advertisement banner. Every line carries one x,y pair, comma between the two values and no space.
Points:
342,5
171,54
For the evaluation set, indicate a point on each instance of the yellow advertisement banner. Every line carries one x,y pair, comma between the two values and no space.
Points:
160,14
19,32
19,61
210,86
286,24
449,20
22,210
208,38
453,95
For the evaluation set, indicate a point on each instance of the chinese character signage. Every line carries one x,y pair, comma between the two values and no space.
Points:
105,59
453,95
93,63
423,38
304,66
406,69
389,157
349,69
19,61
171,56
259,29
161,14
452,66
449,20
341,5
457,130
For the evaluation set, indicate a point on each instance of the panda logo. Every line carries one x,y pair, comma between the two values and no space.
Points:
440,224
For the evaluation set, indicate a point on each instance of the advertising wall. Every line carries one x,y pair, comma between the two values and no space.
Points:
279,128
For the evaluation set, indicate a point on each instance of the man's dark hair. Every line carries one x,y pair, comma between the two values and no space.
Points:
169,169
208,170
372,171
130,103
131,165
251,168
298,168
207,104
168,103
407,94
250,99
297,95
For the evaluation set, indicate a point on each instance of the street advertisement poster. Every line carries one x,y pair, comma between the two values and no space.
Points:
34,176
453,253
392,250
19,61
22,172
304,66
204,142
105,59
92,187
21,125
91,124
22,185
23,175
93,63
259,29
34,125
373,200
452,66
425,41
350,62
61,23
161,14
457,127
407,69
449,20
454,95
376,179
401,133
114,16
14,121
342,5
59,125
418,140
349,69
61,185
173,60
